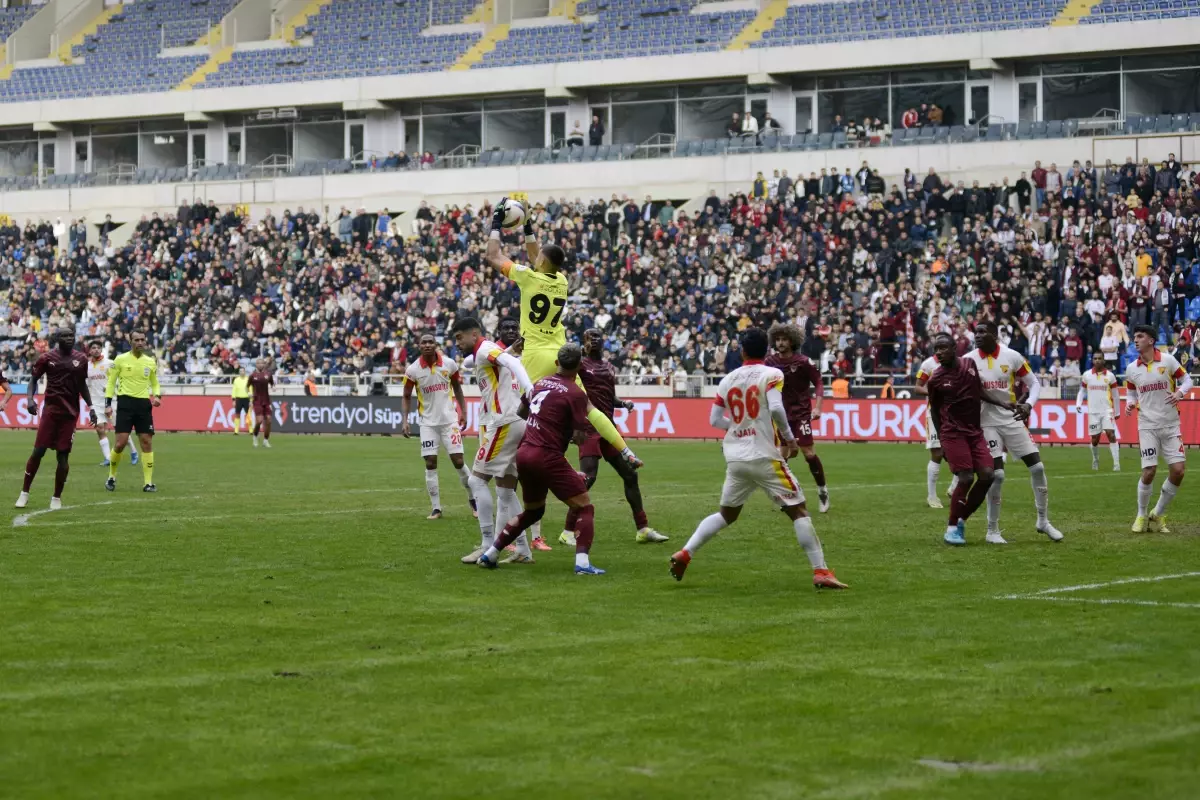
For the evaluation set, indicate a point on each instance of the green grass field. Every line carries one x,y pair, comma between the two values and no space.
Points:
286,623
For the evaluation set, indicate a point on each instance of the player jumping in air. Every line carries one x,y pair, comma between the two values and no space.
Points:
543,301
66,381
554,409
600,382
751,395
133,377
261,383
502,381
433,377
933,443
800,377
240,392
955,400
97,378
1000,368
1100,387
1157,383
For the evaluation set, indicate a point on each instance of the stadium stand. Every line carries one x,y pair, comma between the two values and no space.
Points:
124,55
356,38
12,17
868,271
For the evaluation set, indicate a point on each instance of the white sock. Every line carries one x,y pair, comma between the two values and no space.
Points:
1095,454
1144,492
582,560
483,504
1115,449
807,537
132,447
1164,500
105,448
536,530
508,507
993,501
1041,491
953,482
708,528
431,486
932,471
464,477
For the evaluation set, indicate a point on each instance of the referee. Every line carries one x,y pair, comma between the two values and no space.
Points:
136,375
241,400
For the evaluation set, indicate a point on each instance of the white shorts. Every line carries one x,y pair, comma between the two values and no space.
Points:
448,437
932,442
770,475
1101,422
105,416
497,456
1011,436
1164,443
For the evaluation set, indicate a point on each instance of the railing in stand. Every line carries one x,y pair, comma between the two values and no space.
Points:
465,155
660,145
273,166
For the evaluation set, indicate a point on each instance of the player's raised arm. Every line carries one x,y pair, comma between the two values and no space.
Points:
495,254
532,248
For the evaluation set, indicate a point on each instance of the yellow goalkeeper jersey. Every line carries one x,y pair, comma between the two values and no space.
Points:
543,301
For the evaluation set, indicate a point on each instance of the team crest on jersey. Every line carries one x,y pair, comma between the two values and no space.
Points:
1004,368
1162,370
74,363
145,372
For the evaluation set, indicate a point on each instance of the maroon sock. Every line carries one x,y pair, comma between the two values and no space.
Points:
517,526
31,468
976,497
586,529
640,520
958,503
817,469
60,479
572,520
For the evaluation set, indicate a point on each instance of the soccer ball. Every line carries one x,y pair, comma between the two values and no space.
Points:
514,214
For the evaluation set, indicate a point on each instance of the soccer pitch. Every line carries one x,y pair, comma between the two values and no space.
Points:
285,623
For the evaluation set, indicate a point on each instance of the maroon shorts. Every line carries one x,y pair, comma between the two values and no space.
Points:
55,431
544,471
262,409
802,430
596,447
966,453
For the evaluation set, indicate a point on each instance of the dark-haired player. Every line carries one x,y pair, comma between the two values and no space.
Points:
955,401
133,381
66,381
553,410
600,382
752,397
999,369
97,377
1101,390
261,382
800,378
543,301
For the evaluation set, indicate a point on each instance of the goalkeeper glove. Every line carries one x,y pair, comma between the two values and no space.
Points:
498,216
528,225
108,402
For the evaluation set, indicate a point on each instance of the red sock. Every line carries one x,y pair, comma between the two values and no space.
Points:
639,519
958,503
817,469
585,530
572,520
60,479
31,468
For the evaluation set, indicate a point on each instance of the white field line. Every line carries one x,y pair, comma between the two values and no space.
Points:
1056,594
22,520
191,518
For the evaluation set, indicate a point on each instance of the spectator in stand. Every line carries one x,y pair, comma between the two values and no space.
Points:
734,128
1053,182
427,160
575,137
596,131
749,126
770,124
1039,185
838,125
936,115
392,161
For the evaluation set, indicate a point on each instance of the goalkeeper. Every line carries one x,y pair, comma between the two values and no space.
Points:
543,301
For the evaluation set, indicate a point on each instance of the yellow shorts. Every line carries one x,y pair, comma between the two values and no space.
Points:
541,364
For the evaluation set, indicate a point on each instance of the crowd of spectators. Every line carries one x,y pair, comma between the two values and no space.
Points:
1066,263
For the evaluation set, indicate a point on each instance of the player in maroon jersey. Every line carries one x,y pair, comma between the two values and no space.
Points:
7,392
261,383
600,382
66,381
800,377
955,393
554,409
